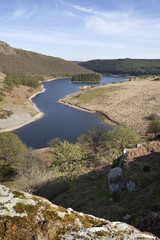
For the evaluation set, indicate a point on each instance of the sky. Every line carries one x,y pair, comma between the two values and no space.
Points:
83,29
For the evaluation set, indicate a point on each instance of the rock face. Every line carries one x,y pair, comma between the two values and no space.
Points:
6,49
28,217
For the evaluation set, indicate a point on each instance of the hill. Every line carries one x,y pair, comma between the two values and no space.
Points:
133,67
18,60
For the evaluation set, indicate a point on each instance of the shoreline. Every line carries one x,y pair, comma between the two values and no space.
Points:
37,116
105,119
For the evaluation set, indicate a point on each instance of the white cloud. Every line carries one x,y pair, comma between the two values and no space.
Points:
21,13
79,8
105,26
125,21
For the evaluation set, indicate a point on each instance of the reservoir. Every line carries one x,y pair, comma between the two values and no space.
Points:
59,120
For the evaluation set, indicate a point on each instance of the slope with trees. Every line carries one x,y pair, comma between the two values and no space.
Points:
132,67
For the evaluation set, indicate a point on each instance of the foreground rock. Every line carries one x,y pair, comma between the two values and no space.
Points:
27,217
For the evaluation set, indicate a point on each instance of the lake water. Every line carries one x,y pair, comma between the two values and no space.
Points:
60,120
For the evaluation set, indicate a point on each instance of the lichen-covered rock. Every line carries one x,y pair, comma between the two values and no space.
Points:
28,217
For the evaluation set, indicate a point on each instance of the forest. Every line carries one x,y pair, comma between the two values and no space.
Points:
132,67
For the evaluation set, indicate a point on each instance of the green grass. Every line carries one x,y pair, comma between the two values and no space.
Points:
99,92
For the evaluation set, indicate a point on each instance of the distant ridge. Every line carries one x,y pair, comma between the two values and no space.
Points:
18,60
125,66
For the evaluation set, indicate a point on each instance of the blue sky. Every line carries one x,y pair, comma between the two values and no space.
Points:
83,29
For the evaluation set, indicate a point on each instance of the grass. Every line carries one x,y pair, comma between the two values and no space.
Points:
99,92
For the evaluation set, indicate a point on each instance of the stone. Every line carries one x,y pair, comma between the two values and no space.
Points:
25,216
115,173
131,186
114,178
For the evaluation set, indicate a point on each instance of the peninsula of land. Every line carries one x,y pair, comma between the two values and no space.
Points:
128,104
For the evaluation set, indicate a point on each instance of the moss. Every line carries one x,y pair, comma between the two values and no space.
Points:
61,209
51,214
28,208
101,233
18,195
5,208
88,222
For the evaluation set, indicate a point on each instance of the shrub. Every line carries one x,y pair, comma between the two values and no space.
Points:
93,137
31,171
69,158
10,146
152,116
121,138
6,172
54,142
154,126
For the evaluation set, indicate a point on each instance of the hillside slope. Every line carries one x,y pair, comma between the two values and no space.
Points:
139,207
18,60
126,66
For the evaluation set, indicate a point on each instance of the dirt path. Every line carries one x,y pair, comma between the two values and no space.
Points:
126,103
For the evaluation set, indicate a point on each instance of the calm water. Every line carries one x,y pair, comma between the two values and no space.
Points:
60,120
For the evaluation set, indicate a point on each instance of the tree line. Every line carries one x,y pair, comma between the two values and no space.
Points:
87,78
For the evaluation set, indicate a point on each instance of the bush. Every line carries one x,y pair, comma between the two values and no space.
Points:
152,116
69,158
154,126
31,171
93,137
10,146
54,142
6,172
121,138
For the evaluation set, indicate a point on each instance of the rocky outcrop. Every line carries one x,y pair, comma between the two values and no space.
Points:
28,217
6,48
116,183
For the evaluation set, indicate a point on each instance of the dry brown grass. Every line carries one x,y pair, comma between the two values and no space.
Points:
2,76
129,107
